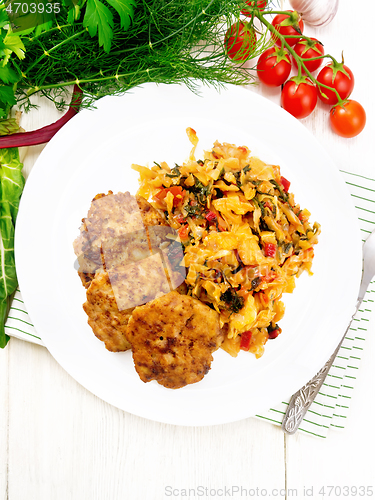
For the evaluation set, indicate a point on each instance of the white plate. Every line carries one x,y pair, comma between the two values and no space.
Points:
93,154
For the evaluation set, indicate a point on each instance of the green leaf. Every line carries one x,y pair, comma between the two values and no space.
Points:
41,28
98,18
7,95
4,19
3,315
125,9
11,187
14,43
9,126
8,75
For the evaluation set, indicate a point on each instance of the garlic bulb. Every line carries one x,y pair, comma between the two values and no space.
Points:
316,12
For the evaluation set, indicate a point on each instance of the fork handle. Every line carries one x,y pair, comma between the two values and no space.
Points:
301,401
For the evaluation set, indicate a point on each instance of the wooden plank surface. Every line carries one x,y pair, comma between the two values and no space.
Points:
65,443
4,415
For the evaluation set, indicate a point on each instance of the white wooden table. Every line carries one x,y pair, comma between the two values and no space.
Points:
59,442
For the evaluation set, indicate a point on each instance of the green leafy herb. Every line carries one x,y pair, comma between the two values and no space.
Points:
99,18
234,301
11,185
193,210
175,172
144,41
201,191
283,194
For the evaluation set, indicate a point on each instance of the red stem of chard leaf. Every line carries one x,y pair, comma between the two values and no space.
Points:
44,134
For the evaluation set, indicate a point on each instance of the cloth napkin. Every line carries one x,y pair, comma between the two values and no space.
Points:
330,409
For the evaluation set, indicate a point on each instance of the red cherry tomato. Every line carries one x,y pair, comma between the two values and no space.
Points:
299,97
308,49
286,25
240,41
338,76
349,119
274,67
260,4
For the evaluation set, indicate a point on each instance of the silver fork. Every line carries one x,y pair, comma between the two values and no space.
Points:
301,401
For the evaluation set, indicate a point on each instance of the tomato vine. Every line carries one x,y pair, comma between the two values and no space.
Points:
334,83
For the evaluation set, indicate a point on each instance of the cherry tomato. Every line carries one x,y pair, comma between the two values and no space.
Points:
274,67
299,97
338,76
288,26
349,119
260,4
308,49
240,41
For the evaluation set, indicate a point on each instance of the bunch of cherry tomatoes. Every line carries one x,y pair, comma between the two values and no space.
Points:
299,95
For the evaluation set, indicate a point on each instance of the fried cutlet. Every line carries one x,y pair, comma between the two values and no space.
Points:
115,231
113,294
172,339
107,322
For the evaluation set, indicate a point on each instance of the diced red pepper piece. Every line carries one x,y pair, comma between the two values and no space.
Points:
183,232
211,216
177,191
269,249
245,340
285,183
180,218
269,276
274,333
268,205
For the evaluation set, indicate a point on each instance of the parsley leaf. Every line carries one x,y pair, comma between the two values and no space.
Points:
99,18
12,43
7,96
125,10
8,75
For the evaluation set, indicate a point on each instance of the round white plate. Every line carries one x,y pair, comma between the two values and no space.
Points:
93,154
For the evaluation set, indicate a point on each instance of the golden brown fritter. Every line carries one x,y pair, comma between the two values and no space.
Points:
114,232
107,322
172,339
113,294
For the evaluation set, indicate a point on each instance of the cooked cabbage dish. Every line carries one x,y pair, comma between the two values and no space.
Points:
245,239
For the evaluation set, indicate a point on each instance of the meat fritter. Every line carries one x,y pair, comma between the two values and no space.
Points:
139,282
172,339
113,294
107,322
115,231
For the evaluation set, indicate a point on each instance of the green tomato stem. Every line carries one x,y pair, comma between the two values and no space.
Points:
299,60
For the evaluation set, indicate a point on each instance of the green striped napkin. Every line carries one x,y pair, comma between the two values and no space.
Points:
331,407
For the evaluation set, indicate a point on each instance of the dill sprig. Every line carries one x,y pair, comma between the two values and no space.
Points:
168,41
